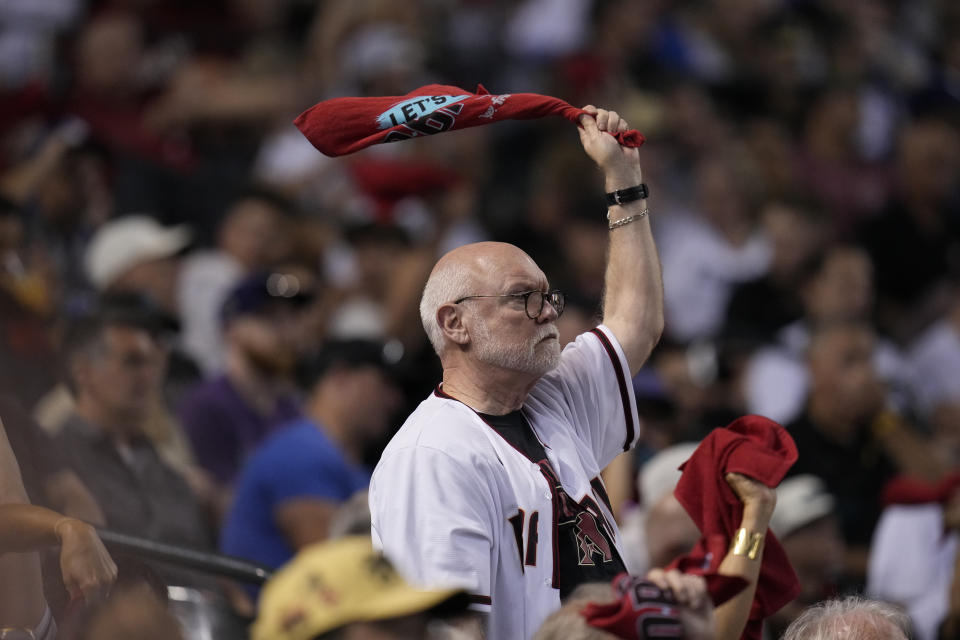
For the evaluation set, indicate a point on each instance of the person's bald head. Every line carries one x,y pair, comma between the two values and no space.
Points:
478,268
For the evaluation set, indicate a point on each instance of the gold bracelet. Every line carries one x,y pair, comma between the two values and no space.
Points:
625,221
746,543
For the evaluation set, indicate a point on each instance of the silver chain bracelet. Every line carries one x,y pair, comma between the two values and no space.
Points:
625,221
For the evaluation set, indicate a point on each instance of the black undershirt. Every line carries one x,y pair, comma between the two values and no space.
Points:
582,539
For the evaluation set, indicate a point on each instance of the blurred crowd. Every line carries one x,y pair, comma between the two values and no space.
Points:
209,330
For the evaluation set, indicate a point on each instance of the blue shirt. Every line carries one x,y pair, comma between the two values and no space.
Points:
298,461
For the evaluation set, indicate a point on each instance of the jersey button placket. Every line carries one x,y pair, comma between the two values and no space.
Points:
535,470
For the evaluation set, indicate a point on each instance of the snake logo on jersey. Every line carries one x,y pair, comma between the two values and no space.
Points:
590,541
583,541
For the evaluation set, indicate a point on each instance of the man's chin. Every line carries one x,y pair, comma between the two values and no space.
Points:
551,362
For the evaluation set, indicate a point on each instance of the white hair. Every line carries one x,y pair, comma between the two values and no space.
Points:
446,284
850,618
567,623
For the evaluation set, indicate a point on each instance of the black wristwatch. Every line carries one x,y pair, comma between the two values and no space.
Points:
622,196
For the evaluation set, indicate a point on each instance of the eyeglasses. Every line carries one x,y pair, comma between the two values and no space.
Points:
532,301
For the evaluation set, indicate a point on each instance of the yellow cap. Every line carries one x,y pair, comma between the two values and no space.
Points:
330,585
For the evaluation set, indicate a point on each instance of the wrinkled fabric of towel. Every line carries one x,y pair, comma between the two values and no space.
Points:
760,449
340,126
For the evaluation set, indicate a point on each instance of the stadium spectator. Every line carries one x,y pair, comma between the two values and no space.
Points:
343,590
136,253
226,417
838,286
707,253
86,567
912,240
291,487
849,617
761,307
847,421
253,236
376,251
110,107
115,369
160,426
913,557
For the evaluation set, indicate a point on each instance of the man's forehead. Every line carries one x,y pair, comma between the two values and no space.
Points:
527,281
514,264
520,273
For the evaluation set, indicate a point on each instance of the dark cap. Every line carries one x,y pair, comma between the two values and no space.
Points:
259,292
135,308
348,354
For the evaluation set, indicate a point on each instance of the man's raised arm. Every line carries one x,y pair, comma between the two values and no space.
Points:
633,288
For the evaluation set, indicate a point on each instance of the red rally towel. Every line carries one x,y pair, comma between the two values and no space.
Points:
644,612
763,450
340,126
907,490
387,181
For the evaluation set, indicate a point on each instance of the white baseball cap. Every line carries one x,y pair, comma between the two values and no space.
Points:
660,474
801,500
126,242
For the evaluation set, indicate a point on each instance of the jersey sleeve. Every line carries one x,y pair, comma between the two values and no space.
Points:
433,518
593,388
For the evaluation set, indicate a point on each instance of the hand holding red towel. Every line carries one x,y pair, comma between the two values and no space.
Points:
760,449
340,126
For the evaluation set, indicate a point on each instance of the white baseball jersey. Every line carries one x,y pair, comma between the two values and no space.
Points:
454,501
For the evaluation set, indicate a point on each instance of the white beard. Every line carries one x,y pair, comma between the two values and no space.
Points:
525,358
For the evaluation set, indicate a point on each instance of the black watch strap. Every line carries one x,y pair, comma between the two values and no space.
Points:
629,194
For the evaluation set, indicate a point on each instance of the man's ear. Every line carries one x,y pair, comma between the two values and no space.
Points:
451,324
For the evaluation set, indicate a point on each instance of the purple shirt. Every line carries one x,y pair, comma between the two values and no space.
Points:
224,429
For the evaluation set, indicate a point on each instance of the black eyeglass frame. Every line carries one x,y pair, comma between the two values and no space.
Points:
555,297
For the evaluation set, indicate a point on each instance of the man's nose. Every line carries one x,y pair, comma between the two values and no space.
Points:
548,313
